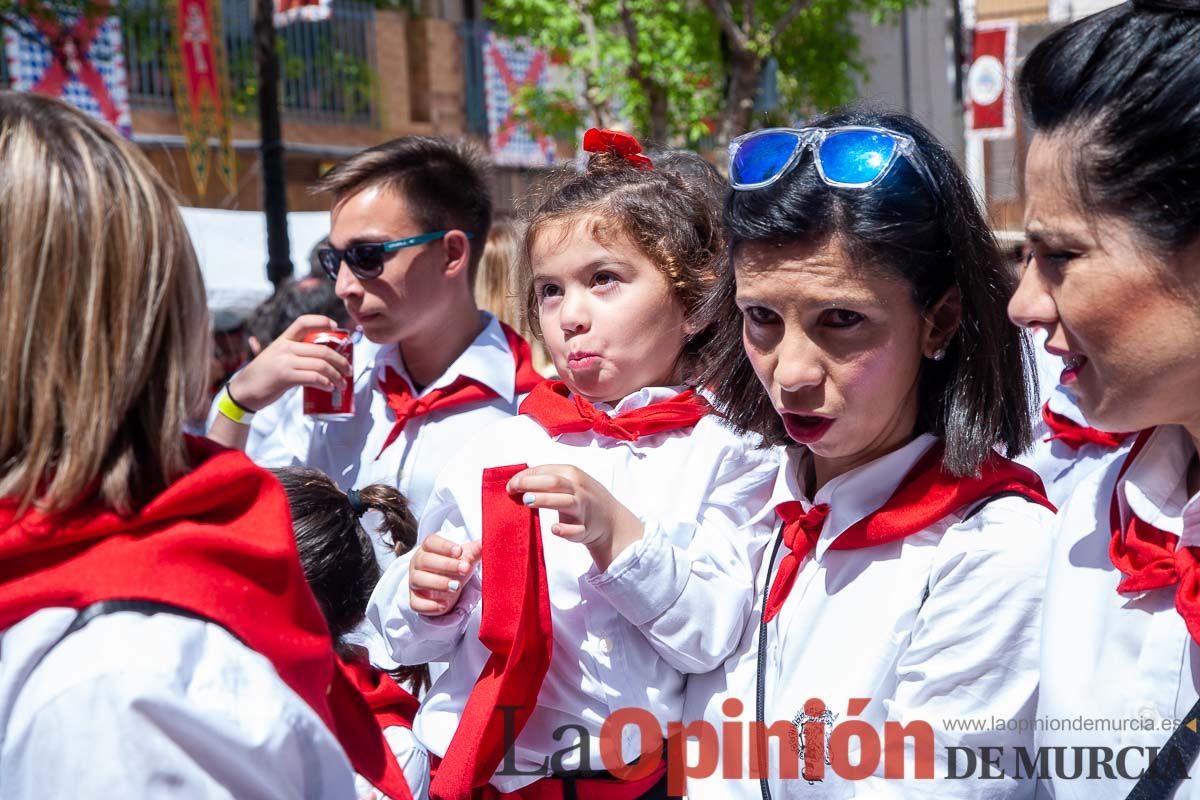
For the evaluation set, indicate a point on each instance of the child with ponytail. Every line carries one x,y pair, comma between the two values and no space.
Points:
645,576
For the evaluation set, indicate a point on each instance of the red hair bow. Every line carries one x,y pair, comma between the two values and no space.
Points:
624,145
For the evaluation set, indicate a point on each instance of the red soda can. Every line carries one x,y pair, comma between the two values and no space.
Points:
339,403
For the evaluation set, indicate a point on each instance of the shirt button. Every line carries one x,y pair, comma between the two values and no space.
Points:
605,645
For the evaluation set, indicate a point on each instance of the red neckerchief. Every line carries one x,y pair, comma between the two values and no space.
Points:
1149,558
218,543
392,705
926,494
1074,435
461,391
549,405
516,628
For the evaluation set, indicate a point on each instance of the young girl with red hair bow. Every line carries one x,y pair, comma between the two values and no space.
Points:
646,577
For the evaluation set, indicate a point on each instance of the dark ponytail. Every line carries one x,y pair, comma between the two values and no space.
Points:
399,529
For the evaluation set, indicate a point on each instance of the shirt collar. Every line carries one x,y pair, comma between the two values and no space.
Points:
1154,488
488,360
851,496
640,399
1062,402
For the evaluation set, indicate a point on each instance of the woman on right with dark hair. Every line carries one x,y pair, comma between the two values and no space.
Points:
864,327
1113,216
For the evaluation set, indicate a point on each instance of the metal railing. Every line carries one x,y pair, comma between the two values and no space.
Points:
473,33
328,68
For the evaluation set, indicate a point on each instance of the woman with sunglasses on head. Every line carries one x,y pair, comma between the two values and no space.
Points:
1112,213
865,329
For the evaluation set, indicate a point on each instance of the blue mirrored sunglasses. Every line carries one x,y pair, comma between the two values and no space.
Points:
849,157
366,260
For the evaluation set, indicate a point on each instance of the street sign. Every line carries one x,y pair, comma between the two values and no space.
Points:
990,80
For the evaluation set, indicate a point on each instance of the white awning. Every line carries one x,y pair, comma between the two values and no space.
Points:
232,249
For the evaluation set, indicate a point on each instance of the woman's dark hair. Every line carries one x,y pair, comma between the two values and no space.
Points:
1124,87
935,239
671,213
335,551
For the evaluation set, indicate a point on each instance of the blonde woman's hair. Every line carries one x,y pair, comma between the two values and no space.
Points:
496,284
493,290
104,336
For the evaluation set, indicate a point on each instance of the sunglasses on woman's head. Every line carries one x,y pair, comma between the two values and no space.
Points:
847,157
366,260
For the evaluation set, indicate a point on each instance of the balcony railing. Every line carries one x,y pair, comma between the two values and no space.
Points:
328,68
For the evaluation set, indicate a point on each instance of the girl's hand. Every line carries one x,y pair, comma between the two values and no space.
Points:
288,362
587,512
437,573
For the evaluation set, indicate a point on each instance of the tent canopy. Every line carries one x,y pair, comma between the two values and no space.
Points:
232,249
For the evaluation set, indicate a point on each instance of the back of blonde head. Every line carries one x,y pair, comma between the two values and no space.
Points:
103,325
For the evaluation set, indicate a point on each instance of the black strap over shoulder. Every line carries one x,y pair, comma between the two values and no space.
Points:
147,607
984,503
1170,767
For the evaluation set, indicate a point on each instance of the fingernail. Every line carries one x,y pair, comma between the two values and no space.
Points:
456,551
453,586
463,568
527,498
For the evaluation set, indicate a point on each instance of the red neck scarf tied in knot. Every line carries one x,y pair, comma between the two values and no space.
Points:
549,405
461,391
1074,435
1150,558
926,494
801,529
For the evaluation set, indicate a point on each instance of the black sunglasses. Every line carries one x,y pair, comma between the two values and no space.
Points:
366,260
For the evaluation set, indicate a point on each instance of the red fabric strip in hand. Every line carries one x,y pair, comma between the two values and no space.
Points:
515,627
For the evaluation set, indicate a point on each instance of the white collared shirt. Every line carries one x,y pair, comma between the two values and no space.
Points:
1121,661
1060,466
673,603
413,760
282,435
137,706
940,626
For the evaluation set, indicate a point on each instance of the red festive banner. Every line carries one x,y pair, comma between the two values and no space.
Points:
201,83
990,80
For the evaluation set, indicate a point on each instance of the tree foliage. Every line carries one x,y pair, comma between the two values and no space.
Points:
686,71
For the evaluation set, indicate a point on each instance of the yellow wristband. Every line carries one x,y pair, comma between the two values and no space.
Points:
232,410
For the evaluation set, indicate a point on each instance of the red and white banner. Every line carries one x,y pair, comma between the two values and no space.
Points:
200,79
990,80
289,11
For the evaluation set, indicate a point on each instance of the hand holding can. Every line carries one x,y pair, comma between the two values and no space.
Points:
291,360
337,403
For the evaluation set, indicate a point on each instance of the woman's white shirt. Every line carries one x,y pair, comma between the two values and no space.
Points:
939,627
154,706
1119,671
1060,466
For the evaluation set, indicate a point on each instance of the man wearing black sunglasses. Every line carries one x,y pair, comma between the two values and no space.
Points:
409,220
